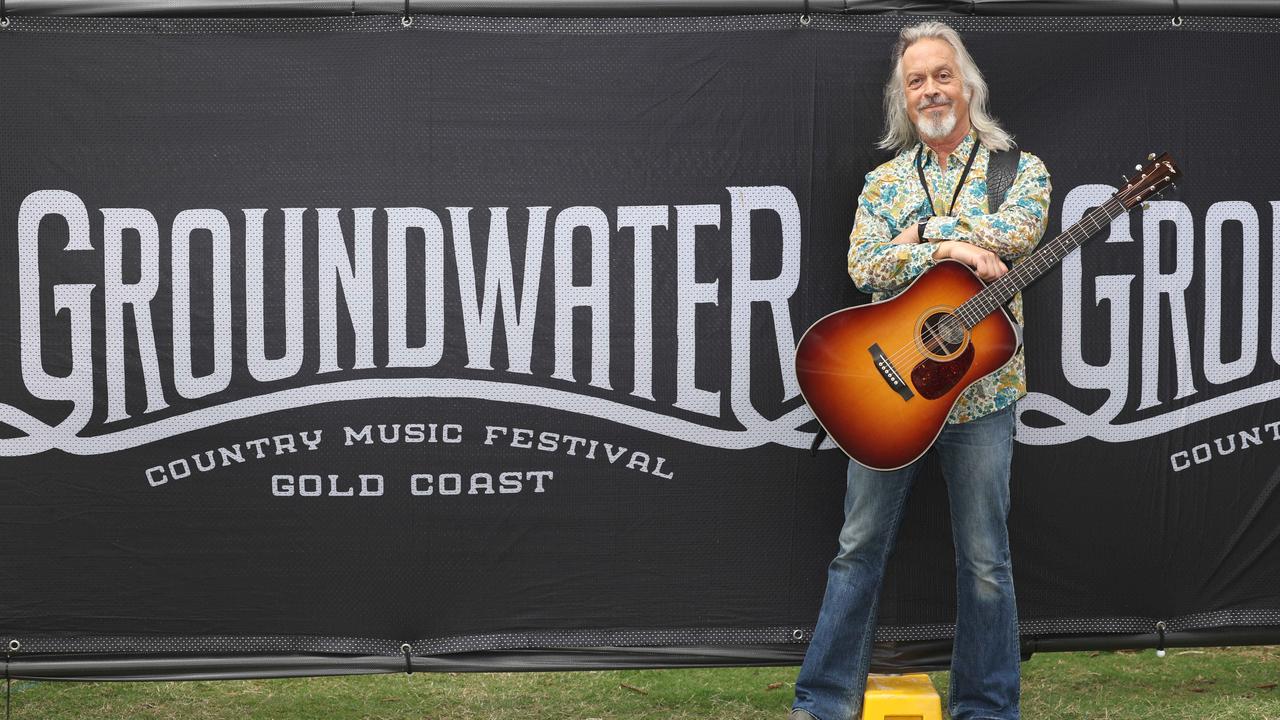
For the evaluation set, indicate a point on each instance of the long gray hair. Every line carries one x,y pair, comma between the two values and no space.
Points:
899,132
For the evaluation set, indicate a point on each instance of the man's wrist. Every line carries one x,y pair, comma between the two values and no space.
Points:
941,249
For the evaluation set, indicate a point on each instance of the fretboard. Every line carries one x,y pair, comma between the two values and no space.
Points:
1043,259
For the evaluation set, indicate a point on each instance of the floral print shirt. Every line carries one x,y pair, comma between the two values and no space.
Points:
892,200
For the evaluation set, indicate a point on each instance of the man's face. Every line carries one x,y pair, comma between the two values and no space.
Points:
935,93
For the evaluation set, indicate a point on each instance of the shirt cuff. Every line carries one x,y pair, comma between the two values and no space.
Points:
945,228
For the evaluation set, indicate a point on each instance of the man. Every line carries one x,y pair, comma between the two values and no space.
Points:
926,204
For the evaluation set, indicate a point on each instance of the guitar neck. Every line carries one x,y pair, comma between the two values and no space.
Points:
1043,259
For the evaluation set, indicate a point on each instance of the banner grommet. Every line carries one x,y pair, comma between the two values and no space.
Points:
406,650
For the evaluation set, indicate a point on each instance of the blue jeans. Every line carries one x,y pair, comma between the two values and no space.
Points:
985,659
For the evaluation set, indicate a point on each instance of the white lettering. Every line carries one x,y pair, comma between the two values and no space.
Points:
1215,369
594,295
356,279
184,379
689,294
399,220
262,368
117,293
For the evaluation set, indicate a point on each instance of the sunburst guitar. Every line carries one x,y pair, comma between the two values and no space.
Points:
882,378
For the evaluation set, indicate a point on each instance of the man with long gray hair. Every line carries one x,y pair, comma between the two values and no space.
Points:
934,201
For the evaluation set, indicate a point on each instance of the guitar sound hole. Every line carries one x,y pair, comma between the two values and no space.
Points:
942,334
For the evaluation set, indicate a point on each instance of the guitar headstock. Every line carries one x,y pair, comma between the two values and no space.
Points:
1160,173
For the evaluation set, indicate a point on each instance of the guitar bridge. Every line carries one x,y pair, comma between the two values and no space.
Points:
889,372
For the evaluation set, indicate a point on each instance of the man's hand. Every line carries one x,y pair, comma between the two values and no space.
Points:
985,263
909,236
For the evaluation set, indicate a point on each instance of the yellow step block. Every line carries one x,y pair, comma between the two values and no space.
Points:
901,697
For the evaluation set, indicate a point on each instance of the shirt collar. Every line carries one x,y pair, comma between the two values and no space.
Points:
962,150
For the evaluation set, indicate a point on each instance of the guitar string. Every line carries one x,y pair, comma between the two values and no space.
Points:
1090,224
1065,241
910,352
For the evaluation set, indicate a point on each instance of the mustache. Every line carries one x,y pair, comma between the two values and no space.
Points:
926,104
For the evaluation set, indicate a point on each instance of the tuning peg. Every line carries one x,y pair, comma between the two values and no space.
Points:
1138,168
1125,179
1152,156
1146,206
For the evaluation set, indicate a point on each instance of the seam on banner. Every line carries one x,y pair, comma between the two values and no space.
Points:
654,25
624,637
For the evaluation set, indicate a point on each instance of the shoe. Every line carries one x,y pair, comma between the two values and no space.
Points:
798,714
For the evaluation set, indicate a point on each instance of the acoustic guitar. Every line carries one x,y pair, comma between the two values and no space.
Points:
882,378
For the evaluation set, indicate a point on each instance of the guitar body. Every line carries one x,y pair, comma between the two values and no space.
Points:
882,378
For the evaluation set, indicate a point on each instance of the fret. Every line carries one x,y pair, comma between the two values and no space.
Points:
1050,254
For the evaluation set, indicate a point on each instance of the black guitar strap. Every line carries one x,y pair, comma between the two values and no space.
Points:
1002,168
818,437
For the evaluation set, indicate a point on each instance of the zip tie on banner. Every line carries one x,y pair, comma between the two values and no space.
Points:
407,20
804,17
4,17
1160,628
1177,15
408,663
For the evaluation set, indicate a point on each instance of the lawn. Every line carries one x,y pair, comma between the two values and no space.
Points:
1208,684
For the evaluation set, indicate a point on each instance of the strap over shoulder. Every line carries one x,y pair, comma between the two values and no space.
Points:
1002,168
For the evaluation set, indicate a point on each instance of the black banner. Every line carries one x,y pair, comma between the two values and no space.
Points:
474,335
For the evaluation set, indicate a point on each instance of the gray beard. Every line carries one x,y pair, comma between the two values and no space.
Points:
936,129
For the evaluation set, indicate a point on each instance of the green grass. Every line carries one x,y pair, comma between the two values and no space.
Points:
1210,684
